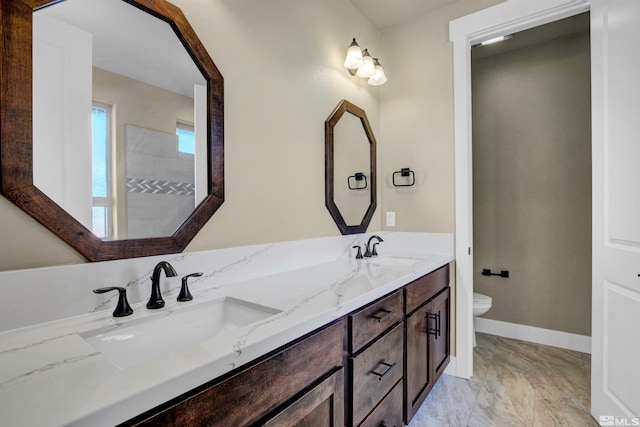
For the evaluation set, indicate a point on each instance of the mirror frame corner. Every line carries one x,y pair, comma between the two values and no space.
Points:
16,136
347,107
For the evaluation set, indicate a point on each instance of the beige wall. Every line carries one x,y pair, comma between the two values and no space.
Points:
416,123
416,118
282,64
532,183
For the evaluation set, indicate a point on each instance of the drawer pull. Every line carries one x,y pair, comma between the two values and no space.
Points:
384,316
386,371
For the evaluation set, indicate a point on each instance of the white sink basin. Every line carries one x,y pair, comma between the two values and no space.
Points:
394,261
145,339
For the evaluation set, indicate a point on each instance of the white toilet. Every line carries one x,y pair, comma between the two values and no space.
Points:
481,304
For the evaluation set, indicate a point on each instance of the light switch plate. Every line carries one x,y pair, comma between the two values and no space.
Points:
391,219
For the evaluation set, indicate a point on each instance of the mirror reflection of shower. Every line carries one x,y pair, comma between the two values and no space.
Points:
119,113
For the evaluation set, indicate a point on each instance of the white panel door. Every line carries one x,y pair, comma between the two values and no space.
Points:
62,96
201,152
615,37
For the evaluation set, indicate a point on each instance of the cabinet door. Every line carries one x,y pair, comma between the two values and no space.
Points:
322,406
438,321
417,375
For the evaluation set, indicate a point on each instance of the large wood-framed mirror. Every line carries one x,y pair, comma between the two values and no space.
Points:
350,168
49,45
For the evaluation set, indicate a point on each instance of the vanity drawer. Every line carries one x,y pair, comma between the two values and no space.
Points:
375,371
423,289
389,411
372,320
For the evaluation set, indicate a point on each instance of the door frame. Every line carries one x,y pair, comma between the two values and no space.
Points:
502,19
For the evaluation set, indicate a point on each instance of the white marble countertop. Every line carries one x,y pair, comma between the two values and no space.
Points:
51,376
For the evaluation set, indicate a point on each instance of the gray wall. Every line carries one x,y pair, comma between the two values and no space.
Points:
532,183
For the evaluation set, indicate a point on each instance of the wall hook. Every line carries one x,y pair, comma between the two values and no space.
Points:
404,172
358,176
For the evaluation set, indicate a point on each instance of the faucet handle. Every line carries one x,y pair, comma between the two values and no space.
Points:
374,252
359,254
122,308
185,295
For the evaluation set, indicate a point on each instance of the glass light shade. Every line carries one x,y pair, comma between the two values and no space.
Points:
378,78
354,59
367,69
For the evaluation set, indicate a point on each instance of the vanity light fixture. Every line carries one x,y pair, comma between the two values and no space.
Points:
378,77
368,69
354,59
360,63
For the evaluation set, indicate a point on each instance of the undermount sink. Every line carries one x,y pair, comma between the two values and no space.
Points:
394,261
145,339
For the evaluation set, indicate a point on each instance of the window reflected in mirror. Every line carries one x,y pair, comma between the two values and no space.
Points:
186,138
128,172
102,225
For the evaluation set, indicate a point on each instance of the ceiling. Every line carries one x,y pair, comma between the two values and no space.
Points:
130,42
385,13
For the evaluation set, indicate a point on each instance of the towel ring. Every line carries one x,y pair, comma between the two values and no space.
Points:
358,176
404,172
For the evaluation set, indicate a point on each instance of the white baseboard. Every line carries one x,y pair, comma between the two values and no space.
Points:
566,340
452,367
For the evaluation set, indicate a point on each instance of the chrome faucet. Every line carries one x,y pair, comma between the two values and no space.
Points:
156,301
371,251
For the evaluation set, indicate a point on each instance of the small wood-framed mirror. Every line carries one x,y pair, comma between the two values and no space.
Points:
22,181
350,168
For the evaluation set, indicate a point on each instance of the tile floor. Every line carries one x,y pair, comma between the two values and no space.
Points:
515,383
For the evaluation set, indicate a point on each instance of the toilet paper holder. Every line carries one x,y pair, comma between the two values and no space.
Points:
487,272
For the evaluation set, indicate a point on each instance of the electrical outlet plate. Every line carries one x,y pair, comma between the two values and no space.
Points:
391,219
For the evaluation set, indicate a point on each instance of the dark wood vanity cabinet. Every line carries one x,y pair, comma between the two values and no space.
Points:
321,406
372,320
389,412
427,336
439,336
376,361
371,368
375,372
300,384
